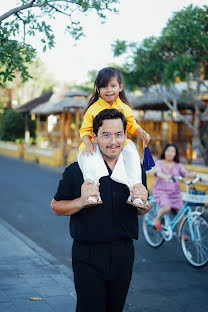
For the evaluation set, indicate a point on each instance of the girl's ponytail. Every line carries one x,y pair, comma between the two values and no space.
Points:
123,98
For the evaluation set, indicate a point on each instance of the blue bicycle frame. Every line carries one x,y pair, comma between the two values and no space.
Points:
175,220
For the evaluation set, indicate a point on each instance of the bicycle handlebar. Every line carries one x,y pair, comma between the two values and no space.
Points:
179,178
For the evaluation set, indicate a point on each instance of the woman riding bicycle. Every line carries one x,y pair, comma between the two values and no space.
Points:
167,192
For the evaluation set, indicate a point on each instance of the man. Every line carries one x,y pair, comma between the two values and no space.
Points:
103,251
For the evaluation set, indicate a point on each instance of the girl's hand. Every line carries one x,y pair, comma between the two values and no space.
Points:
168,178
143,135
89,149
146,138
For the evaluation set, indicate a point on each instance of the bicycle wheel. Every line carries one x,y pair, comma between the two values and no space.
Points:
195,249
152,235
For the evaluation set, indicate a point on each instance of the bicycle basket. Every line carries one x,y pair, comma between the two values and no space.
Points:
195,198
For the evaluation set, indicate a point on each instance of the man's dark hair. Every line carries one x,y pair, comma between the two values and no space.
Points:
108,114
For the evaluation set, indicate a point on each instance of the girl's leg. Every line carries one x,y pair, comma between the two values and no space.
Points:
185,237
133,170
93,168
132,163
161,212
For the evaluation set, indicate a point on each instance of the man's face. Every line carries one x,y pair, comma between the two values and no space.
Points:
110,138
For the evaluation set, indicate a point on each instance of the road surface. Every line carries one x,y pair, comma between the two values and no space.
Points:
162,279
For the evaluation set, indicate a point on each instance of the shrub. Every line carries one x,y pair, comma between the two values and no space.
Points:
12,126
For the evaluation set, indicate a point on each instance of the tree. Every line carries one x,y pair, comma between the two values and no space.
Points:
13,126
17,92
30,18
88,86
179,54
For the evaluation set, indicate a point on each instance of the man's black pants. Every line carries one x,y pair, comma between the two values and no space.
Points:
102,274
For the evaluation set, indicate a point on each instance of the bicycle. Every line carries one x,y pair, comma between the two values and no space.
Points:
193,232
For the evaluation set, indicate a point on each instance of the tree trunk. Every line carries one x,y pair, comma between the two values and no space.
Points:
9,98
203,149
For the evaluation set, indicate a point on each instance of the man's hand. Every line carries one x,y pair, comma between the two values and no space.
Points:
70,207
89,188
139,191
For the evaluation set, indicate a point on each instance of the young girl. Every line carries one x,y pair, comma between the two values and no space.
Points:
167,193
109,93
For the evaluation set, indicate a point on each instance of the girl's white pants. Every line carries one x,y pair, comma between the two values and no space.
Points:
126,171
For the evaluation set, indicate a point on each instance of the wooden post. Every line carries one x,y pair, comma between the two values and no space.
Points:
170,132
68,126
191,141
77,120
46,129
63,115
27,132
160,133
38,124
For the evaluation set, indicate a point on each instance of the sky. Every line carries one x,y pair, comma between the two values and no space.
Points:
137,19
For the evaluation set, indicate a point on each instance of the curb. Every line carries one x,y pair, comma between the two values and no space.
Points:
50,259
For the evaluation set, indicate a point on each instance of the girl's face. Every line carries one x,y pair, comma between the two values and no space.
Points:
170,153
110,92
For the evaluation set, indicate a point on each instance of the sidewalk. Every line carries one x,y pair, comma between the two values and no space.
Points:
32,280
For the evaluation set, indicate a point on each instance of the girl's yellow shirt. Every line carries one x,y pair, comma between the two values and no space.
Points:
97,107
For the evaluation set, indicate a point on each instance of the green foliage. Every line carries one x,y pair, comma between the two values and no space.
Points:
41,78
30,18
13,126
89,85
177,55
92,74
119,47
184,43
180,51
13,56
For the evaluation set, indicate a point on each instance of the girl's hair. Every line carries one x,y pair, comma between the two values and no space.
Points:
101,81
176,158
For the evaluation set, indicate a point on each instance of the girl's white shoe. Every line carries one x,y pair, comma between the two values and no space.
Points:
137,202
93,200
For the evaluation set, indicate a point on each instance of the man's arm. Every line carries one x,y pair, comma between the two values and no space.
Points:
66,207
70,207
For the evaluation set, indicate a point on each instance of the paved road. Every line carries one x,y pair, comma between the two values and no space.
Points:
162,280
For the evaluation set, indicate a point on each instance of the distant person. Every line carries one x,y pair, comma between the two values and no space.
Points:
167,193
109,94
102,251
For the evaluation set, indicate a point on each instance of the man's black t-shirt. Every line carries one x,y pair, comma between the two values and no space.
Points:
112,220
